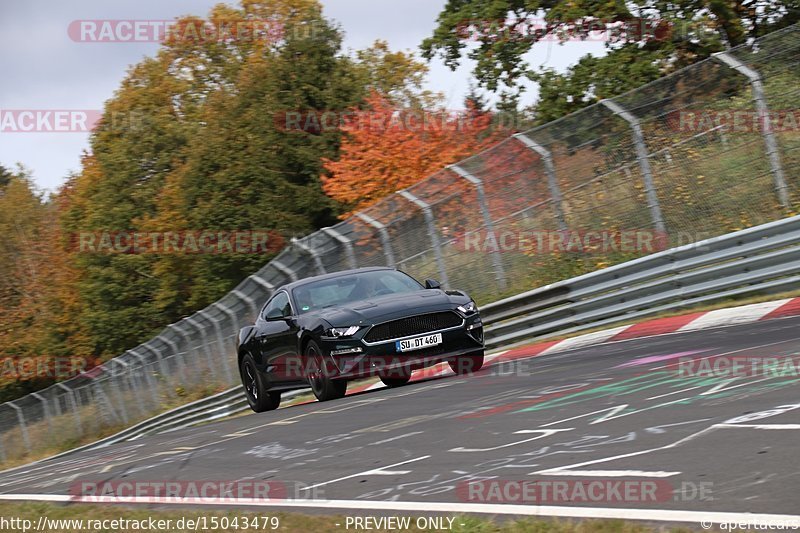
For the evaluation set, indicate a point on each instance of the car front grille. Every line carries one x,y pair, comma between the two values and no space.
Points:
414,325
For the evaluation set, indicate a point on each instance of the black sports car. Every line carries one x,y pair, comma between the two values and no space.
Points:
327,330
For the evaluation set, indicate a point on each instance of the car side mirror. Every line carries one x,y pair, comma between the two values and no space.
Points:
432,284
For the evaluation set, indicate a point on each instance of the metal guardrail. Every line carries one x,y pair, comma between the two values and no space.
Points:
763,259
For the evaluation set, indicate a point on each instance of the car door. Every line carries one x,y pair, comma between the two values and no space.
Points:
277,339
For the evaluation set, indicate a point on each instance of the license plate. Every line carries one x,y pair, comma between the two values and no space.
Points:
418,343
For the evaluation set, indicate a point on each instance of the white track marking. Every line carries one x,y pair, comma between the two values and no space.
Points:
674,392
543,433
662,515
384,441
614,473
584,340
733,316
375,471
759,426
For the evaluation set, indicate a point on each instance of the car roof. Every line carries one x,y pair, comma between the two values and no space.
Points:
332,275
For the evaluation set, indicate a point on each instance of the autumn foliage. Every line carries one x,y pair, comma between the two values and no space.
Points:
387,149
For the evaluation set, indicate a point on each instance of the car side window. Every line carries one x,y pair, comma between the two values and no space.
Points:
278,306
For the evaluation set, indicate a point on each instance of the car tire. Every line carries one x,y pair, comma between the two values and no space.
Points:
467,364
322,385
396,380
258,396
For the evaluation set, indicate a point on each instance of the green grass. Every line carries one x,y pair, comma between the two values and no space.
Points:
298,522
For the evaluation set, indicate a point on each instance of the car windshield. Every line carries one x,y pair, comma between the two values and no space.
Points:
352,288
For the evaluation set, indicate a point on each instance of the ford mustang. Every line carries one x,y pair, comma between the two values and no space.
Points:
327,330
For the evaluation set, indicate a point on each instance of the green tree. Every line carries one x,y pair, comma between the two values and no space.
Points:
659,37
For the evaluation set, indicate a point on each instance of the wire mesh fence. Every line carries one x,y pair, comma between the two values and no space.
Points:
708,150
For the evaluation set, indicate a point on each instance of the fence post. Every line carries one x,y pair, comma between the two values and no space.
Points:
283,269
500,273
249,301
201,330
190,349
177,353
148,378
119,390
105,406
552,181
74,402
162,365
45,409
385,240
235,323
770,142
432,233
313,253
22,426
644,163
221,341
348,245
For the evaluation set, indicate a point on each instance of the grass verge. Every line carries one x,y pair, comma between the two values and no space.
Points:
291,522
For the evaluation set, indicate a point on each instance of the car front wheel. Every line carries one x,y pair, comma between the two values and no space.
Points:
319,376
467,364
259,398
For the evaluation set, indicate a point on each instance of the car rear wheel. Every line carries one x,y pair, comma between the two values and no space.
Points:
396,379
467,364
259,398
319,376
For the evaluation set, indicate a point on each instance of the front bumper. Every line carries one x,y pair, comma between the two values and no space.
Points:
354,358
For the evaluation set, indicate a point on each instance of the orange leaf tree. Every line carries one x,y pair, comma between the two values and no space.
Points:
387,149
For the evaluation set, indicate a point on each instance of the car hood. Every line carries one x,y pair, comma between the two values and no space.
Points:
389,307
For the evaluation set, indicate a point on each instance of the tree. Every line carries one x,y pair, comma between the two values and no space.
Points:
388,149
655,39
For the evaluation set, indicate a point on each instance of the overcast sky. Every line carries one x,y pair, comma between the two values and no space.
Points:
44,69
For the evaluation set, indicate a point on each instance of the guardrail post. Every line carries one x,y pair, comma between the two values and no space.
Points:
644,163
74,403
384,234
22,426
201,330
348,245
234,323
770,142
552,180
432,233
500,273
45,409
313,253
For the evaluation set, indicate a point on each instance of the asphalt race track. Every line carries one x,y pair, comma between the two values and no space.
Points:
615,412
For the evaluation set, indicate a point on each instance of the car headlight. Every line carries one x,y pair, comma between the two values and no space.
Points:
342,332
468,309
